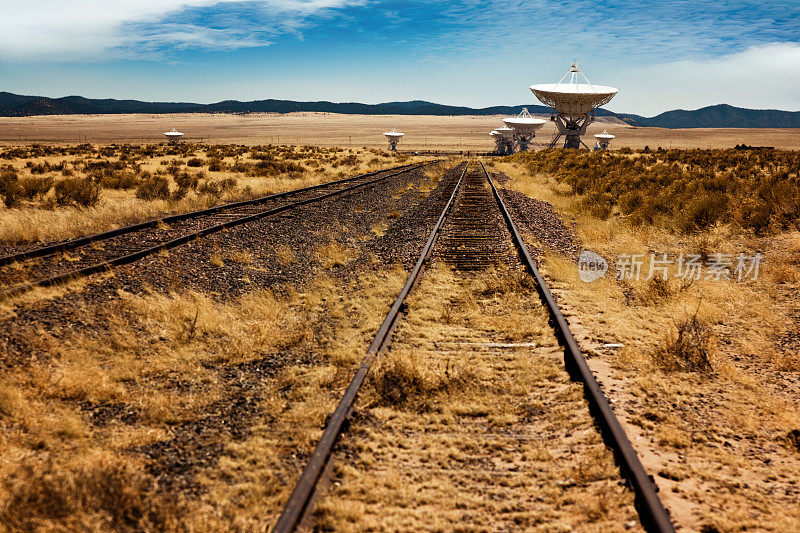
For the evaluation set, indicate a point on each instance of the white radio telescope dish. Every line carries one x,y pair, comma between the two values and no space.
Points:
574,103
173,136
603,140
393,137
506,132
499,141
524,126
504,140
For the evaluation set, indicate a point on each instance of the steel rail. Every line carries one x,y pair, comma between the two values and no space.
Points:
89,239
297,504
651,511
168,245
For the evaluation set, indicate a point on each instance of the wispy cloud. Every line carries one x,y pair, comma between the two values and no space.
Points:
639,30
102,29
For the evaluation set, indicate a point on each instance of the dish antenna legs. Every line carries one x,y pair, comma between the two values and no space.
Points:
572,128
523,141
393,146
503,146
499,147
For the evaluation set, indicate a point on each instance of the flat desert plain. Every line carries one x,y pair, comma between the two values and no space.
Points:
466,133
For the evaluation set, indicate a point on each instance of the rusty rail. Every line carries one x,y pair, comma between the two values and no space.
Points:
298,503
89,239
651,511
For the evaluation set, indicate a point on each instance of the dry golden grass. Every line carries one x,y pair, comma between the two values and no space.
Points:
265,465
43,220
64,471
335,254
76,427
454,433
285,255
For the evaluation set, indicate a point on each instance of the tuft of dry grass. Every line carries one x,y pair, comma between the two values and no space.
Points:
216,259
689,348
334,254
240,256
285,255
97,492
402,380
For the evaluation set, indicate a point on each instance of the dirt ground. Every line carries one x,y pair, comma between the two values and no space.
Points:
467,133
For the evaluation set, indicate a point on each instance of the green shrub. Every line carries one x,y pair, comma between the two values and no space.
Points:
154,188
686,190
187,181
33,187
77,191
118,179
216,165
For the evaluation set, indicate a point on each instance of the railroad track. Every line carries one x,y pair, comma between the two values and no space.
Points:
466,236
59,263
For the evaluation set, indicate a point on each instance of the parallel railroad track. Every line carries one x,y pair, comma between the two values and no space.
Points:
56,264
470,244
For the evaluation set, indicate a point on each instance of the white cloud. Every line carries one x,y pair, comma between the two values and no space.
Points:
766,76
84,29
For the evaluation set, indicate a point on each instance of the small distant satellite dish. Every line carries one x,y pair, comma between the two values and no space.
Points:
574,104
603,140
393,137
173,136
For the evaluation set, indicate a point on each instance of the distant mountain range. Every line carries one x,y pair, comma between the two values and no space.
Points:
721,116
717,116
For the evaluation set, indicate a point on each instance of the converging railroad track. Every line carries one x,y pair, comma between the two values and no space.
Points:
59,263
474,233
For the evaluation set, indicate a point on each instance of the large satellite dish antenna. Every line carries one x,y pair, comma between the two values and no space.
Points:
393,137
173,136
603,140
574,104
524,126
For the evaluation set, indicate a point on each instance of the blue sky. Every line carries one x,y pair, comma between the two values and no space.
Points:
662,55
